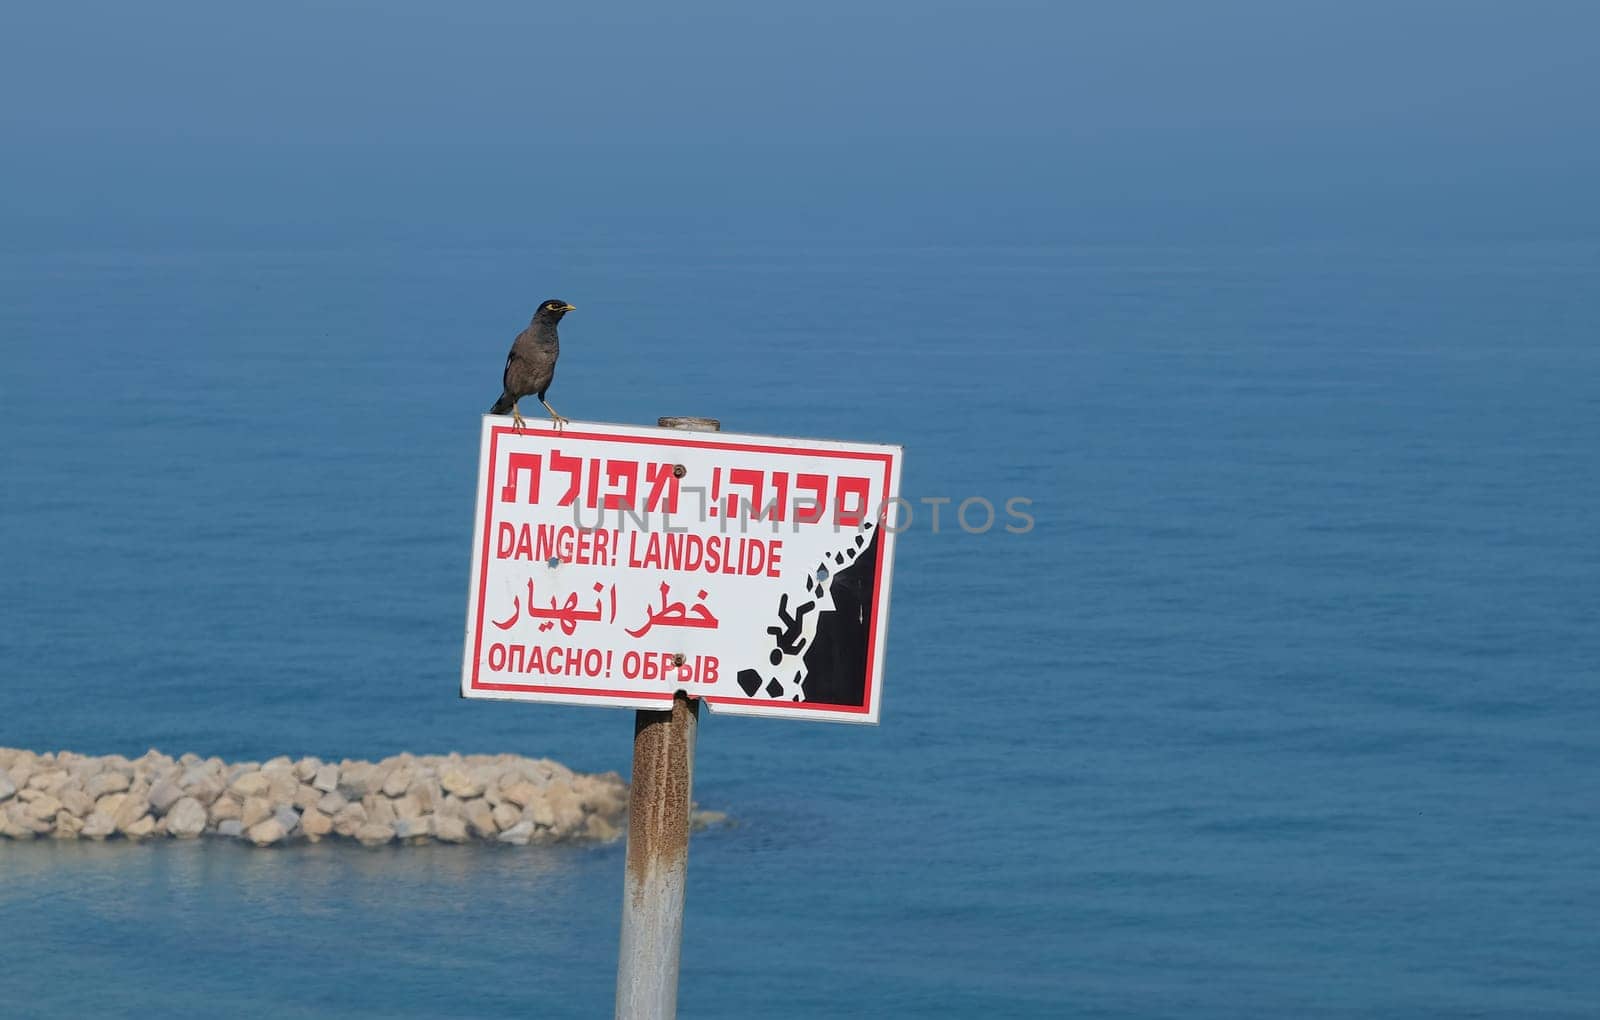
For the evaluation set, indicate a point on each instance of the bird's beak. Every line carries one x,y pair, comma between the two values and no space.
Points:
569,308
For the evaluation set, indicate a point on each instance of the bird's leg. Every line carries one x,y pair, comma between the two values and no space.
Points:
516,418
554,417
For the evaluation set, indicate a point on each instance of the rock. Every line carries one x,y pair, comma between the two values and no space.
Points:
506,815
598,828
453,798
521,793
449,829
283,785
606,795
186,819
356,779
380,809
315,824
202,784
256,810
226,807
568,808
251,784
351,819
49,780
21,826
699,820
106,783
414,828
44,808
396,783
540,813
460,783
488,776
480,819
20,770
287,817
452,807
153,761
425,791
77,802
135,806
163,795
508,777
326,779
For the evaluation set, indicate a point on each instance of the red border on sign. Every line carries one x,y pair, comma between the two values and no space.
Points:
668,439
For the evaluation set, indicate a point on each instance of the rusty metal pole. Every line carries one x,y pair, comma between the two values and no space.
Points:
658,845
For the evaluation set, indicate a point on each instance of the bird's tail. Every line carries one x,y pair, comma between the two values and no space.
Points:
504,404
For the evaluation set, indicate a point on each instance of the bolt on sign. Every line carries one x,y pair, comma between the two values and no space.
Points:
613,565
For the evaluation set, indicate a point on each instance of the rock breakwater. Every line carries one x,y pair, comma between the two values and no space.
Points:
405,798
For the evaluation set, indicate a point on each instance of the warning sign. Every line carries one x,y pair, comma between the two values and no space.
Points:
613,565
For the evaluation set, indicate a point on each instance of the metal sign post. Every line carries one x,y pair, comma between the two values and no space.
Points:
658,845
658,861
659,569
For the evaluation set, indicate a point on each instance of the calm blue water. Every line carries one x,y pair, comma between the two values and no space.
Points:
1288,706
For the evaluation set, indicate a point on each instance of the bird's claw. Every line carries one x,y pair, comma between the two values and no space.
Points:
556,418
517,422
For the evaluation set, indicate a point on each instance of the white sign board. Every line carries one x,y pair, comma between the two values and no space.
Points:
613,565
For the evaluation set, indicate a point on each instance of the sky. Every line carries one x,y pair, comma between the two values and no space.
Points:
935,119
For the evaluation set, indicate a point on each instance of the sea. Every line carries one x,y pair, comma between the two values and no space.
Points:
1280,697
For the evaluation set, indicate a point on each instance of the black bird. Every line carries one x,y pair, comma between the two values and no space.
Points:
532,363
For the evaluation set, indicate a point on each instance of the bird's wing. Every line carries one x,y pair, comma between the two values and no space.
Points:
513,356
505,376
